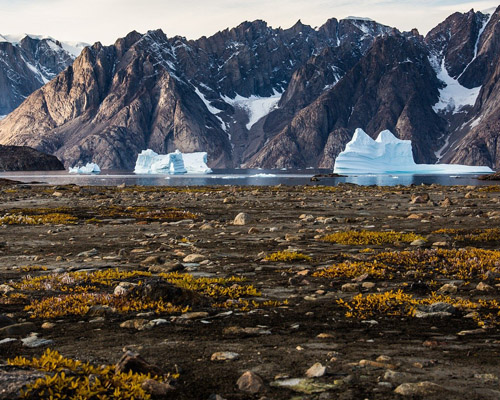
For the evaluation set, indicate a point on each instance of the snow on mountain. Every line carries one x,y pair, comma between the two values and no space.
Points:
73,48
389,155
256,107
453,97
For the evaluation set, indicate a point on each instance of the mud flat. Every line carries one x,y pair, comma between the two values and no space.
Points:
340,292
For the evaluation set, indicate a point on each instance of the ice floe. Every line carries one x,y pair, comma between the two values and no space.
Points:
90,168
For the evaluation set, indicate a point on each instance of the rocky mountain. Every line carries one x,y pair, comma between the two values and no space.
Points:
259,96
21,158
29,62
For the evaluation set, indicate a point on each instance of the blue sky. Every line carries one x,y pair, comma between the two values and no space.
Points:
106,20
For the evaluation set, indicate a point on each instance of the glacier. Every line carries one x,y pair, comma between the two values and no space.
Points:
90,168
390,155
150,162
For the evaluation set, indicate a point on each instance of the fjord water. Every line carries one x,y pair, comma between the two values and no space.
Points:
239,177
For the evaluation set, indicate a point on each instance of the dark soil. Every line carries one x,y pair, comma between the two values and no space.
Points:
286,343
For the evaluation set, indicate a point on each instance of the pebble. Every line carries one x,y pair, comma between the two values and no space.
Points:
194,258
419,389
48,325
192,315
448,288
316,370
484,287
250,382
88,253
241,219
33,342
418,243
224,356
350,287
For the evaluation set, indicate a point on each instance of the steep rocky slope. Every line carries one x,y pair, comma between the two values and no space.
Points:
21,158
28,63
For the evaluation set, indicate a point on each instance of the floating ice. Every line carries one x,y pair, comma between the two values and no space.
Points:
389,155
196,163
90,168
149,162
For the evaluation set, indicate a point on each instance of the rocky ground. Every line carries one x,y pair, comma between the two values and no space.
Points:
165,264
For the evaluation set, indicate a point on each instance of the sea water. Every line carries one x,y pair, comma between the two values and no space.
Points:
239,177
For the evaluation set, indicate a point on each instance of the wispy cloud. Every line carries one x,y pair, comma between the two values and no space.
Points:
106,20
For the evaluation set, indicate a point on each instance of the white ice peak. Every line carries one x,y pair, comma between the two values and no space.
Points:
389,155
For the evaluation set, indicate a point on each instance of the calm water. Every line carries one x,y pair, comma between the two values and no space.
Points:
240,177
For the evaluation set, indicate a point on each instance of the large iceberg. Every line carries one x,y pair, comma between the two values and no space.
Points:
149,162
90,168
390,155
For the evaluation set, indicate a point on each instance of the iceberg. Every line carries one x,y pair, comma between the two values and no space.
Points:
90,168
390,155
196,163
149,162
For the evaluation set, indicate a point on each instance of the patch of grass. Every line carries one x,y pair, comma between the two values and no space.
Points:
349,270
288,256
31,219
73,379
370,237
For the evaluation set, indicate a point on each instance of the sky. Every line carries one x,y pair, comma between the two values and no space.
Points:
106,20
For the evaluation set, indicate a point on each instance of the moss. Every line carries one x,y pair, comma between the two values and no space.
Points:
370,237
288,256
73,379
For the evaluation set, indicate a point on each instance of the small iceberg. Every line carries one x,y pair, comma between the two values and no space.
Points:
149,162
90,168
390,155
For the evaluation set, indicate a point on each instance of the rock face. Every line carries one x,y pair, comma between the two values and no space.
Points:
27,64
220,95
21,158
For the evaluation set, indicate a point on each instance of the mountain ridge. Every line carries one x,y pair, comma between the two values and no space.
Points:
151,91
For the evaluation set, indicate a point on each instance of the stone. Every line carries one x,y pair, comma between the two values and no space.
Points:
224,356
241,219
419,198
48,325
448,288
316,370
21,329
250,382
4,288
152,260
446,202
194,258
350,287
156,389
138,323
484,287
124,288
368,285
439,307
192,315
418,243
131,361
88,253
34,341
419,389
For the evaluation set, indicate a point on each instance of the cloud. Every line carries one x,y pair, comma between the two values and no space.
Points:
106,20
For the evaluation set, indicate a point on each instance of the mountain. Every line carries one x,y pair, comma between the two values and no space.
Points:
27,63
259,96
21,158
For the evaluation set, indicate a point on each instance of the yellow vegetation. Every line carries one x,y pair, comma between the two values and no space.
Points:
349,270
288,256
73,379
51,218
369,237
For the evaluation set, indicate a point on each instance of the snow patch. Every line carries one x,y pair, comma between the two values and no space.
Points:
360,18
390,155
149,162
213,110
256,107
453,97
73,48
90,168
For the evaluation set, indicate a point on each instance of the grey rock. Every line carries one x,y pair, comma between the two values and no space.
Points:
250,382
21,329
